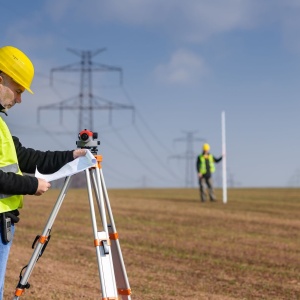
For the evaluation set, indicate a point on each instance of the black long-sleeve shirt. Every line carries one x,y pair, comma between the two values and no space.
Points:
28,159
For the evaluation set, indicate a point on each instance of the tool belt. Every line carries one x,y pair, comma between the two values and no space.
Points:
11,214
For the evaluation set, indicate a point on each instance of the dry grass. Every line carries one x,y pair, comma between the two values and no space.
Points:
174,247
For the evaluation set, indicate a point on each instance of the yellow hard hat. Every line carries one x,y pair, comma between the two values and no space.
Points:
17,65
206,147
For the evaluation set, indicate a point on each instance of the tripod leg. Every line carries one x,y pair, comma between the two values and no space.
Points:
42,242
122,282
102,245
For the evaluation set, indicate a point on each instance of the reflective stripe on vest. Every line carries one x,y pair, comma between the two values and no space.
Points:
8,163
11,168
203,164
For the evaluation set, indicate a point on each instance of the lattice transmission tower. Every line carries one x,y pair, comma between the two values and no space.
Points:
189,157
86,102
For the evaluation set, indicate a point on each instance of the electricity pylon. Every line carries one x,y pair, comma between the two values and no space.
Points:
86,102
189,156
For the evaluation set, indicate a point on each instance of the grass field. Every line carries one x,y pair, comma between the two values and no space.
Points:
174,246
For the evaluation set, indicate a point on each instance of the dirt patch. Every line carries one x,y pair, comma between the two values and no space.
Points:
174,247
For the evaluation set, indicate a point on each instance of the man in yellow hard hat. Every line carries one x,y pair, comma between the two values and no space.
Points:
205,168
16,74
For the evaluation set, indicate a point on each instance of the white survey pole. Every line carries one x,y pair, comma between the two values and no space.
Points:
224,158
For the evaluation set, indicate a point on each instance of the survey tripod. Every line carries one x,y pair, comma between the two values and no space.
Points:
112,273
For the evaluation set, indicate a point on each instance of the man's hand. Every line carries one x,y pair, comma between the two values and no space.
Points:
79,152
199,175
43,187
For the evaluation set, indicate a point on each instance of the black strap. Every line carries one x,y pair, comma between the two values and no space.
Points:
13,215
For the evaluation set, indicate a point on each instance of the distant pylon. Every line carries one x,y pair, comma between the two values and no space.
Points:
85,102
189,156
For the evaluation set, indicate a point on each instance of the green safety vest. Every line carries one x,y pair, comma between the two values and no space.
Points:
8,163
203,164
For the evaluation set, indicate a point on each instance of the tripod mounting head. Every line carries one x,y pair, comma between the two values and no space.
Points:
88,140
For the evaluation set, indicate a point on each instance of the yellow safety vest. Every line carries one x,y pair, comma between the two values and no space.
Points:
8,163
203,164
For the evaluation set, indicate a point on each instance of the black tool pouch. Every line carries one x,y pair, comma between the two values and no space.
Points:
6,228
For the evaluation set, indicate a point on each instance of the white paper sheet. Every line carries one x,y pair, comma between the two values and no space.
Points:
77,165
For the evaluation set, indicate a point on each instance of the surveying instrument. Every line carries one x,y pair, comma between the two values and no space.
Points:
112,273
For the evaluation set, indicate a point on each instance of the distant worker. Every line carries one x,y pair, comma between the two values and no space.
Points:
205,168
16,74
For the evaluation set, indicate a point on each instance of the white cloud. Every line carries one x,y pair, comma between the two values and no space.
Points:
184,67
192,20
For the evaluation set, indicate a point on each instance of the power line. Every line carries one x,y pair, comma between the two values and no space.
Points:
85,102
138,159
144,122
157,157
86,67
66,104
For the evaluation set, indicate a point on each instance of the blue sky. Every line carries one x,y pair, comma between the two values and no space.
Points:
183,62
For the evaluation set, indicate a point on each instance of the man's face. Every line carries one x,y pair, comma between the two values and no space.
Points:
10,91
